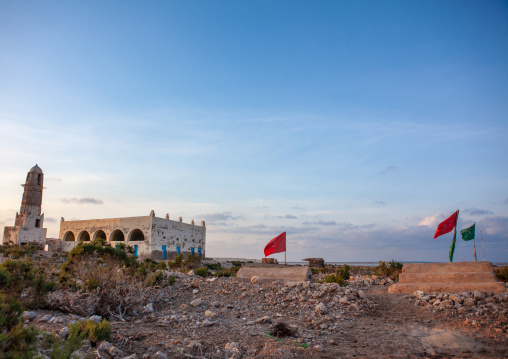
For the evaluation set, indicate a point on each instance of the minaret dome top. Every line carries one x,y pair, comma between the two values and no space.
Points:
36,169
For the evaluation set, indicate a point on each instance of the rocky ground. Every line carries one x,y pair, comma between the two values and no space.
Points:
224,318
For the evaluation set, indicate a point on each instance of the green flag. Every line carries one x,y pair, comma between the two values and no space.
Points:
468,233
452,246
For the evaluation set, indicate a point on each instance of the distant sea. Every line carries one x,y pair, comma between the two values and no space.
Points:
373,264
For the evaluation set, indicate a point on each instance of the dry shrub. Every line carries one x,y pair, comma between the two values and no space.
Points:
102,287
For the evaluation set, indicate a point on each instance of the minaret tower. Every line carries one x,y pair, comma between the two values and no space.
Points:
29,220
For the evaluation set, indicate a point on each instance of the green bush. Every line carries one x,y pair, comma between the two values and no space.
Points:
213,266
335,278
344,272
25,282
97,332
223,273
237,263
391,270
16,251
159,279
202,272
63,349
16,340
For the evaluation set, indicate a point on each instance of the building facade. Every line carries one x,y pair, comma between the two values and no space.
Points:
151,237
28,225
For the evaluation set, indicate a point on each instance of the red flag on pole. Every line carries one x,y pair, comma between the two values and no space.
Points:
447,225
276,245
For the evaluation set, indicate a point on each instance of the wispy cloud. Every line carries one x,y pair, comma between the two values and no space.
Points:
477,211
85,200
505,201
224,216
496,226
320,223
432,221
380,203
50,219
290,216
388,169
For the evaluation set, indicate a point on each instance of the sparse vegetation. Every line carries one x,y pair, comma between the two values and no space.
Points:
16,251
502,273
16,339
390,270
202,272
63,349
25,282
340,277
97,332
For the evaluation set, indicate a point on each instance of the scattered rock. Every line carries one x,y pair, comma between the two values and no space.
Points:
29,315
64,332
96,318
196,302
320,308
160,355
114,352
148,308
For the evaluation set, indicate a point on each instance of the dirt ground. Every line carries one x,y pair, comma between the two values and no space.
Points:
233,319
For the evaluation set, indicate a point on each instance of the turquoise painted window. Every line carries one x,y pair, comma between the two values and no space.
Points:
163,252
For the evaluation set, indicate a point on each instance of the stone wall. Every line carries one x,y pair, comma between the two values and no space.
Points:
174,234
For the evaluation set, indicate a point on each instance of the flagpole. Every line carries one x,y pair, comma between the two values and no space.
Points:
474,247
481,236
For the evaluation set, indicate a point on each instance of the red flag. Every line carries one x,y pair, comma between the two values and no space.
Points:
447,225
276,245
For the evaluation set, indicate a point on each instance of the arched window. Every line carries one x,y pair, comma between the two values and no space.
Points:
99,234
84,236
117,236
136,235
69,237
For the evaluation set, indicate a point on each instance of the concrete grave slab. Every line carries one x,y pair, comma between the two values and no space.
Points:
448,277
271,272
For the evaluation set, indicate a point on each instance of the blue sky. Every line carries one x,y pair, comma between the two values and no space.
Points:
355,126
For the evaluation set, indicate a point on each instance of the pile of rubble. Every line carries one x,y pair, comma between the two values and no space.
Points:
370,280
478,308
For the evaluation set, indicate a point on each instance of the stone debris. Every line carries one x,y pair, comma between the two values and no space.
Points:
96,318
29,315
319,316
474,307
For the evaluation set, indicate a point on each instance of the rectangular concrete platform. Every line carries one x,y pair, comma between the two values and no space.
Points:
448,277
272,272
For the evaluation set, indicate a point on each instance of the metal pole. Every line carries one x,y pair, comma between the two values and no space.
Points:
474,250
285,263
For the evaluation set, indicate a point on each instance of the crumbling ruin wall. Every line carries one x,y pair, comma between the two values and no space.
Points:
315,262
